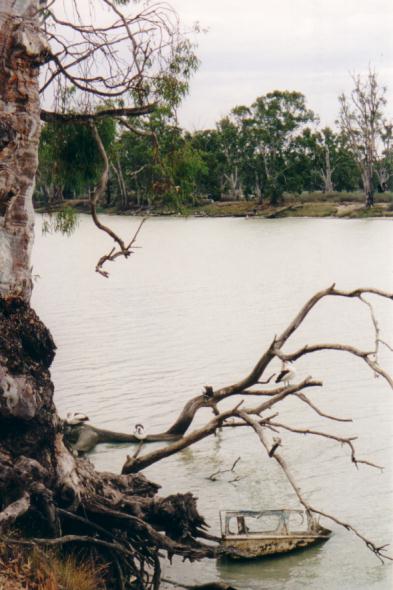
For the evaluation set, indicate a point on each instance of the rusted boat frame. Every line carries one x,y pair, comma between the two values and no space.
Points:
246,544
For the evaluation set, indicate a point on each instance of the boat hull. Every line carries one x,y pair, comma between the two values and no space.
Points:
249,547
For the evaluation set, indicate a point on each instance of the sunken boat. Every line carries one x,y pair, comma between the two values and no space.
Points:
247,534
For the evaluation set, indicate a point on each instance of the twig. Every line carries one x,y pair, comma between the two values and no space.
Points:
343,441
305,399
259,431
221,471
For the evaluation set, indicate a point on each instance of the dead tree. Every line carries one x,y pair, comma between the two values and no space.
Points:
64,498
327,172
41,482
263,416
361,119
260,417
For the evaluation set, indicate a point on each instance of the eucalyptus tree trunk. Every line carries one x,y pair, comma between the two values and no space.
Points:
367,181
28,420
326,174
22,51
39,475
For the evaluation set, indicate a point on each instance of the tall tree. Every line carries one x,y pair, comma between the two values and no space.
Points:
231,146
384,165
325,161
69,160
39,475
66,500
207,143
361,120
278,119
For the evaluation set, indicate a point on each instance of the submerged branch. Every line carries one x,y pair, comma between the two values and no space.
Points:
378,551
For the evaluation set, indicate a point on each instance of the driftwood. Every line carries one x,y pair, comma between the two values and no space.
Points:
123,514
84,437
259,416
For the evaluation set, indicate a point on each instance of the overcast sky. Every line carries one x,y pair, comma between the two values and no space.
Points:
255,46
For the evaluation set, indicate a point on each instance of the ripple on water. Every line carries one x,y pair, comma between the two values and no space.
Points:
197,305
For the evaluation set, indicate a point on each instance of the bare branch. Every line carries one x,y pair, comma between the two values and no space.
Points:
124,249
133,465
119,58
378,551
341,440
213,476
54,117
305,399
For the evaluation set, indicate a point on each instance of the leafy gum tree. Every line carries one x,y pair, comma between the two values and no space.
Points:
207,143
70,162
231,146
259,146
325,161
277,120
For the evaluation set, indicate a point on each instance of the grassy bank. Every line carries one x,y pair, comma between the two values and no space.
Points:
339,205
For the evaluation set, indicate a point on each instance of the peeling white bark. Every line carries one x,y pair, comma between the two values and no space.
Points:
16,7
22,48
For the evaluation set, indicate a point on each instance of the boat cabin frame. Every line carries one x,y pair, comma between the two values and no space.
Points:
237,522
248,534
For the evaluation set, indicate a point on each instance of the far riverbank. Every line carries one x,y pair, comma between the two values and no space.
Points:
345,205
317,205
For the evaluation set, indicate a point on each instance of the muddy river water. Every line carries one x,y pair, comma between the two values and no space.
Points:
197,304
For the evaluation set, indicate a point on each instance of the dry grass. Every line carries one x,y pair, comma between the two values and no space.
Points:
316,209
73,575
312,205
343,197
33,569
229,208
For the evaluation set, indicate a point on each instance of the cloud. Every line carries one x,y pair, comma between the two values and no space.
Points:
306,45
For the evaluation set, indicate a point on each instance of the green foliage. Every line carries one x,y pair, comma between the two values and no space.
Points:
258,146
64,221
265,150
69,157
320,149
172,85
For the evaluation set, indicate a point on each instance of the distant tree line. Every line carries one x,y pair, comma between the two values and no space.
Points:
261,151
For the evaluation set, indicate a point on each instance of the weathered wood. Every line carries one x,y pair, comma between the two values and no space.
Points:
14,511
39,476
84,437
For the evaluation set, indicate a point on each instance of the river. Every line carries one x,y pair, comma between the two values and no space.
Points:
197,304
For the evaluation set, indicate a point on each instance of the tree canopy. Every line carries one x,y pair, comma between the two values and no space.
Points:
273,147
